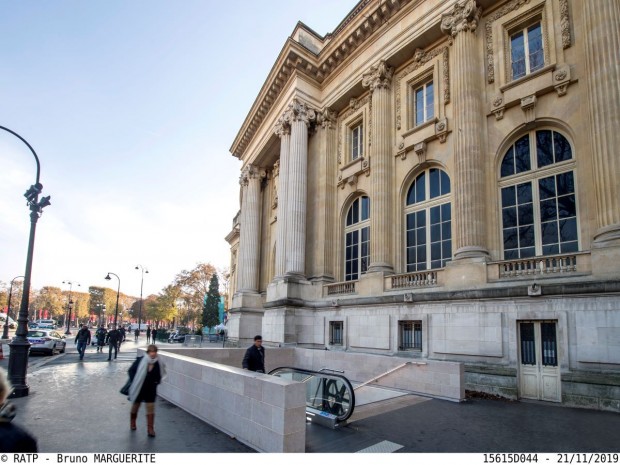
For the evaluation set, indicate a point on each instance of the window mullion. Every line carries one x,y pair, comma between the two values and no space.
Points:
526,48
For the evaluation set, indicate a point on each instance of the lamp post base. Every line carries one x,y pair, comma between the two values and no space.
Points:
18,364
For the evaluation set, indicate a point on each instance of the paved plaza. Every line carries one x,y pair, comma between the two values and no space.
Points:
76,407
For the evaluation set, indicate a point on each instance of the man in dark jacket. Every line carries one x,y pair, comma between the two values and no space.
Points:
254,359
113,339
101,336
83,340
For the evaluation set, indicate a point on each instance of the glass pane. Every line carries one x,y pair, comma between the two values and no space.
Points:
365,208
411,256
434,182
446,231
517,54
436,251
447,249
546,187
508,163
524,193
511,254
565,182
535,45
570,247
544,148
526,236
356,211
549,344
421,218
549,232
551,249
561,147
548,210
568,230
420,188
522,154
528,348
509,196
365,234
410,238
509,217
419,106
445,183
527,252
435,215
566,206
510,238
526,214
410,221
446,213
429,100
421,236
422,255
350,216
435,233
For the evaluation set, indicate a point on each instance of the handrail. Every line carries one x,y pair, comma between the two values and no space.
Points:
388,372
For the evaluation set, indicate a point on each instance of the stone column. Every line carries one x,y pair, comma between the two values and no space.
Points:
601,26
326,197
378,79
283,130
467,88
301,116
249,240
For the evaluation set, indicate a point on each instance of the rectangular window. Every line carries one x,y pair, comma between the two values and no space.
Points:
518,221
424,103
335,332
558,214
351,256
526,51
409,335
357,141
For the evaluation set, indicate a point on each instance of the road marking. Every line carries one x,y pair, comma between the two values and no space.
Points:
382,447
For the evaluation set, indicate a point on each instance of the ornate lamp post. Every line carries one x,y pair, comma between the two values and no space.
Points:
5,332
144,270
70,306
18,359
118,292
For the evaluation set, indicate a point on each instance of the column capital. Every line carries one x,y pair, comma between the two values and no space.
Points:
326,118
299,111
283,126
464,17
251,172
378,76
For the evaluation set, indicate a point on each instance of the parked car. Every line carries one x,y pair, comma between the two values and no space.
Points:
32,325
47,341
12,322
177,336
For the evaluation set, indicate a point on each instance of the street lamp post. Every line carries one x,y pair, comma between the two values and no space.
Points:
140,267
118,292
18,359
5,332
70,306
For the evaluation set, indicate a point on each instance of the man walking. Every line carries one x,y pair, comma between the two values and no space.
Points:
154,334
136,333
148,334
254,359
101,336
121,338
82,339
113,339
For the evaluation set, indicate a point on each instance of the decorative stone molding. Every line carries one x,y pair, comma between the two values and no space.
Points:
420,150
275,171
326,119
283,126
507,8
464,17
354,105
441,129
561,80
366,166
528,105
498,107
352,181
274,204
378,77
300,111
565,24
251,172
420,58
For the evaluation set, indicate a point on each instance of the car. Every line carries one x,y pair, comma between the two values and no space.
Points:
177,336
46,340
12,322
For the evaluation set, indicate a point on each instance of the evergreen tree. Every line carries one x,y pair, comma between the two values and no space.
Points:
210,309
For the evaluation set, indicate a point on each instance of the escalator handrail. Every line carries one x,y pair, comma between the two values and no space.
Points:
322,374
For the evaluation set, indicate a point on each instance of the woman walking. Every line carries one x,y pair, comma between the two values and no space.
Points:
148,373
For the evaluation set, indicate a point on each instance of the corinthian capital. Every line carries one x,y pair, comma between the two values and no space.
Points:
464,17
251,172
326,119
299,111
283,126
378,77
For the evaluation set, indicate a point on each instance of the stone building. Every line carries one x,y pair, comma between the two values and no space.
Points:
441,180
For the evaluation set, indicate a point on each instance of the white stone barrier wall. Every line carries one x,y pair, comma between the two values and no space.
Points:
444,380
265,412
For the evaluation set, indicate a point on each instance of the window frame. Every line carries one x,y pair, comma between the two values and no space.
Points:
358,226
356,151
524,30
334,327
423,84
533,176
416,328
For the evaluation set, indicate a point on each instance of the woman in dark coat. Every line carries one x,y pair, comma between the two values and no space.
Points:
12,437
146,373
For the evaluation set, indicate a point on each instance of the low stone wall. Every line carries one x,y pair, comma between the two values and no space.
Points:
443,380
274,358
265,412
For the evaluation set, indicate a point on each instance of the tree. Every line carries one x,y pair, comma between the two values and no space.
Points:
50,298
224,276
210,311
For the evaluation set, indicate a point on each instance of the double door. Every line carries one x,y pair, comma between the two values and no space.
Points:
539,370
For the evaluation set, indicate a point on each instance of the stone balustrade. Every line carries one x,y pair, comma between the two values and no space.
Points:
343,288
538,266
412,280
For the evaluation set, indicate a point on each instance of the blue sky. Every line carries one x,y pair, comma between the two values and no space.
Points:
131,106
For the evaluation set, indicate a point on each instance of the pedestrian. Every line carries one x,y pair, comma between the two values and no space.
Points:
146,373
101,337
254,359
121,337
148,334
136,334
112,339
12,437
154,335
82,339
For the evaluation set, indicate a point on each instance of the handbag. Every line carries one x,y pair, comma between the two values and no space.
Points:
125,389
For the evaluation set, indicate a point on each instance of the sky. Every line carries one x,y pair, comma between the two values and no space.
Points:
131,106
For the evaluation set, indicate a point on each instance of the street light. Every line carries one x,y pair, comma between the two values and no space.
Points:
70,304
117,294
5,333
18,359
140,267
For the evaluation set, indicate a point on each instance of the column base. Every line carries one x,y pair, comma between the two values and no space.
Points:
279,326
247,300
293,288
471,251
243,325
372,283
466,273
605,252
380,267
607,236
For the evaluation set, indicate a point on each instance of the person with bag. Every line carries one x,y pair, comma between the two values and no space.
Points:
147,371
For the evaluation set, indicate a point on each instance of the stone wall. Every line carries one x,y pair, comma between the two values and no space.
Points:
265,412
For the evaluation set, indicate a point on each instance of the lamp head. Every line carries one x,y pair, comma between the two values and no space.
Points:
137,268
108,277
45,202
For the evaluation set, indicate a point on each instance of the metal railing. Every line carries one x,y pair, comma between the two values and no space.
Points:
417,279
538,266
347,287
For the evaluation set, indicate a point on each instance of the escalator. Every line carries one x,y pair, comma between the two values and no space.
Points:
330,398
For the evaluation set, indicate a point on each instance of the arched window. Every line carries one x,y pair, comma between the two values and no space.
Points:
428,221
539,209
357,239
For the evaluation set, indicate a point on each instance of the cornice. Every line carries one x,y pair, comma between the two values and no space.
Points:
352,32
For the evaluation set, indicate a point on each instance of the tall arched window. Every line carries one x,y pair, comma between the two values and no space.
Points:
357,239
428,221
539,209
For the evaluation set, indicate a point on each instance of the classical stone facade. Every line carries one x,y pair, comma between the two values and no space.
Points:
441,180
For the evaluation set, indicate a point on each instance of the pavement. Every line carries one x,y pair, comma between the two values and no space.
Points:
75,406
